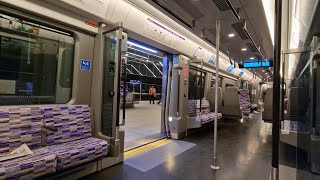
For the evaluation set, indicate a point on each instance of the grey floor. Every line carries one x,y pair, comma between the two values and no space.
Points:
244,153
143,124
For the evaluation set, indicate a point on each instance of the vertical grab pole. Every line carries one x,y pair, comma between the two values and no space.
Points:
201,92
276,93
215,163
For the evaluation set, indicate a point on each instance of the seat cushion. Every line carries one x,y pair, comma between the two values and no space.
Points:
205,118
40,163
77,152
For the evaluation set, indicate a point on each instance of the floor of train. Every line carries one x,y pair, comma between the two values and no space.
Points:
244,152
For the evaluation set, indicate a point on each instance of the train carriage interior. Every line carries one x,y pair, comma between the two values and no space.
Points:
159,89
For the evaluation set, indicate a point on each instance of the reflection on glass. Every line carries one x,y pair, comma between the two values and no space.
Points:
36,63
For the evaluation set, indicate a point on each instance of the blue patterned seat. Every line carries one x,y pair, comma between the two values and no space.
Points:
40,163
244,101
19,126
72,142
203,116
80,151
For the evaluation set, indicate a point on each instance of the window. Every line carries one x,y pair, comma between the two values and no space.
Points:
196,84
36,63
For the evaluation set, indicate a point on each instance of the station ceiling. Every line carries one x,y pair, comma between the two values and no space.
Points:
200,17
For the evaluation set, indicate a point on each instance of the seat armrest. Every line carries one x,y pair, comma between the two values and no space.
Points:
46,129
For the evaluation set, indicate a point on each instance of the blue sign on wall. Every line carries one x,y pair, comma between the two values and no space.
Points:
85,65
212,59
230,68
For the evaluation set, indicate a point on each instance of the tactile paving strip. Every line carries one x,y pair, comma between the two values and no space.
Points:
152,158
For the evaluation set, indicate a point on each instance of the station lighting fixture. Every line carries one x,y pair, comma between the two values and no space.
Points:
252,58
243,49
231,35
142,47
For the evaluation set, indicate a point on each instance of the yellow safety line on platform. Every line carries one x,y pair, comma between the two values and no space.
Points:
145,148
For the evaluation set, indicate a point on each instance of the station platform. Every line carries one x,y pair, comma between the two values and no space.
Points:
143,124
244,153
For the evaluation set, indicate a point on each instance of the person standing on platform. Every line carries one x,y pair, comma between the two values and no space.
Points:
152,93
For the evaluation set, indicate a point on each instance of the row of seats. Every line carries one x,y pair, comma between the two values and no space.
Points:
236,103
292,126
201,114
59,136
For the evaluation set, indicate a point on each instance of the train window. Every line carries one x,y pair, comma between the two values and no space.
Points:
213,82
36,63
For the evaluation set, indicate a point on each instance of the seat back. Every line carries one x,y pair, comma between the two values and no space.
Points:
244,101
267,112
231,107
194,107
72,122
211,99
19,125
205,107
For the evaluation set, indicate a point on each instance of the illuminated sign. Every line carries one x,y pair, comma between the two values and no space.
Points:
256,64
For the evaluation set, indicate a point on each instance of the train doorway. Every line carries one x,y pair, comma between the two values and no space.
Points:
143,91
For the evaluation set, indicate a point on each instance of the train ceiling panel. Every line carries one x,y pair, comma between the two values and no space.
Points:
203,14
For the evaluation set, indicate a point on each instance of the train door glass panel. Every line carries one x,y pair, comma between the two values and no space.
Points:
111,95
36,63
144,70
299,137
196,84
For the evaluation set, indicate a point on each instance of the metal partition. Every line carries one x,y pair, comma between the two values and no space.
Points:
179,97
110,50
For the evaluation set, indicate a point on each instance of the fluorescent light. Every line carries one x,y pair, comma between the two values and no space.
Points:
243,49
252,58
160,63
142,47
170,119
231,35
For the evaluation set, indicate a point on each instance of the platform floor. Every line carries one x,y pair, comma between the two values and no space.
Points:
143,124
244,153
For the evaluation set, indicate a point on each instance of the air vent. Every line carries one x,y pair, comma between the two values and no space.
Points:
251,47
238,27
189,8
222,5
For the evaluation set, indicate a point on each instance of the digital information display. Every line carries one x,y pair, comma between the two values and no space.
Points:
256,64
